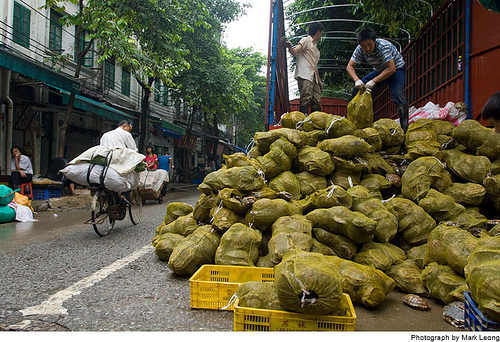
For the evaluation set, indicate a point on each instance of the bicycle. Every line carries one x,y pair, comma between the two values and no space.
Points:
107,207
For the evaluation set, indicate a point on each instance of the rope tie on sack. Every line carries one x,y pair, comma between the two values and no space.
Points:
305,293
263,175
250,145
281,120
330,193
444,146
300,123
349,179
387,200
231,301
219,208
334,120
440,162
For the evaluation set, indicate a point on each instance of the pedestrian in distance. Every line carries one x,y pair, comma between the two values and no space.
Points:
491,111
165,163
306,68
151,159
389,67
21,168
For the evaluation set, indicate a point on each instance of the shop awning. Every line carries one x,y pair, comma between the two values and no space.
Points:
232,147
99,108
16,62
169,133
173,128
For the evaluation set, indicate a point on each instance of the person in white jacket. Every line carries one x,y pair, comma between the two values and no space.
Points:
119,137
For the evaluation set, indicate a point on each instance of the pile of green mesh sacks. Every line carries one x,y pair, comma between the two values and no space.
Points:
341,207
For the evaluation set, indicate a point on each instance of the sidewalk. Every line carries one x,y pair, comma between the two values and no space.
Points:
83,199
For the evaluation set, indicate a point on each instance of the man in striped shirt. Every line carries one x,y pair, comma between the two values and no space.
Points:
389,68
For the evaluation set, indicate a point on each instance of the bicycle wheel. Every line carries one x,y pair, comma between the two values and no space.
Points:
101,221
135,210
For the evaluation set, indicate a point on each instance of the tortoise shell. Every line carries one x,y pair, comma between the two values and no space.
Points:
416,302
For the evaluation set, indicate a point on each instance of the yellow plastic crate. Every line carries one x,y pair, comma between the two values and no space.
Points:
212,286
249,319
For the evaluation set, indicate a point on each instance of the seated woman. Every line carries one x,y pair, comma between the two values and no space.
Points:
21,169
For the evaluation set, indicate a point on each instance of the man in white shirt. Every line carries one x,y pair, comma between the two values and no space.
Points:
306,68
20,167
119,137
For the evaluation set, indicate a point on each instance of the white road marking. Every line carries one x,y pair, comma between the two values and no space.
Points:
54,305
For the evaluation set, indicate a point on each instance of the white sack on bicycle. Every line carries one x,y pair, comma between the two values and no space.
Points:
123,160
112,180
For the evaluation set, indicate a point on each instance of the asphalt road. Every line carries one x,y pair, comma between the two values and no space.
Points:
58,275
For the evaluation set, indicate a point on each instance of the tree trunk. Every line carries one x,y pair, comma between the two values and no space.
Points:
188,143
144,112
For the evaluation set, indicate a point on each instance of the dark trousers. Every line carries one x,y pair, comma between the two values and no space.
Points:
396,85
15,179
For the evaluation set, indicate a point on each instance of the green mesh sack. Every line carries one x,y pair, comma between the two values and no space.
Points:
258,295
443,283
309,182
390,132
448,245
239,246
341,245
314,160
495,166
255,152
422,175
175,210
443,127
407,277
194,251
212,182
233,200
313,137
375,163
265,261
265,212
471,194
365,285
347,146
421,140
492,185
184,225
379,255
441,207
314,121
332,196
278,159
414,223
263,140
223,218
245,178
375,182
371,136
288,182
482,276
339,126
355,166
238,159
318,247
289,232
340,220
203,206
417,254
345,179
467,167
483,141
471,220
387,223
308,283
360,110
290,119
165,245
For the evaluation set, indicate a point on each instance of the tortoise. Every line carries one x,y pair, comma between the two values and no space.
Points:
453,313
416,302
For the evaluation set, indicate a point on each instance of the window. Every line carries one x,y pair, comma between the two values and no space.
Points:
157,91
21,30
55,32
125,82
109,74
88,59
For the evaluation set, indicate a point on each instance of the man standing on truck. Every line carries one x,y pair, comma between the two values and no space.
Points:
306,68
389,68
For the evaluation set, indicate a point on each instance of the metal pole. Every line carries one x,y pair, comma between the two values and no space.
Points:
272,76
468,5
